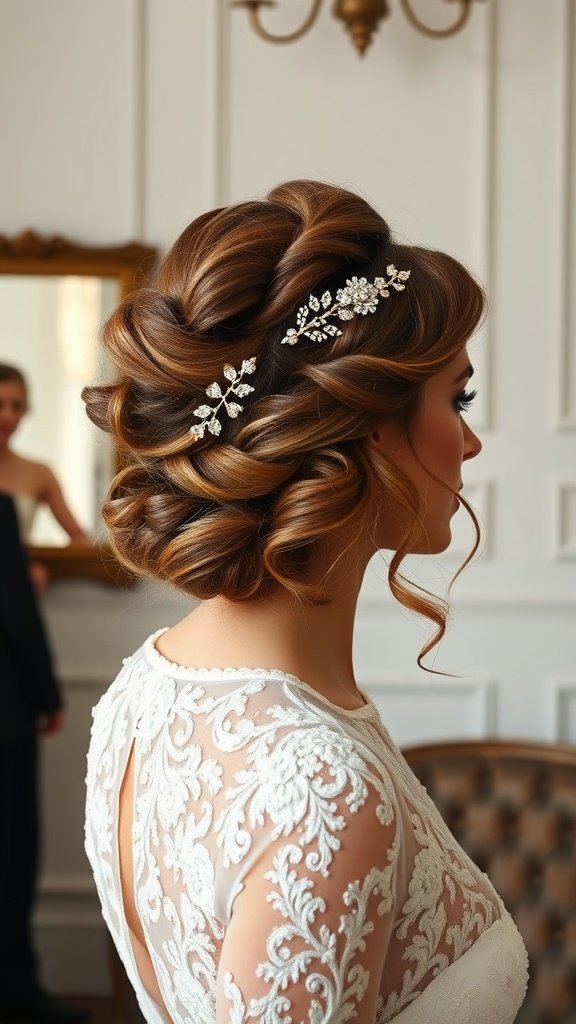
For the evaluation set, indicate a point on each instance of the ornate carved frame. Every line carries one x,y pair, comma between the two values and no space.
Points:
30,253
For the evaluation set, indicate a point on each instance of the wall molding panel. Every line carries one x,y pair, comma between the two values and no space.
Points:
68,901
446,708
139,120
489,605
567,170
481,416
561,709
81,679
67,885
63,919
565,520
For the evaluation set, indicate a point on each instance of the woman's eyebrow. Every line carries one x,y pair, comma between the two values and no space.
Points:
466,374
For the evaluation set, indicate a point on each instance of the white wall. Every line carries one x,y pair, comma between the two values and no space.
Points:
126,118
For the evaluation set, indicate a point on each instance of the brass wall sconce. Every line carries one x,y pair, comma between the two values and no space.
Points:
360,17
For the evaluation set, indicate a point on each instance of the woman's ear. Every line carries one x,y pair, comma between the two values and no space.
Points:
385,435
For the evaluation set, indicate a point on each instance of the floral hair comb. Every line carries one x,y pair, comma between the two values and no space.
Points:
208,413
358,297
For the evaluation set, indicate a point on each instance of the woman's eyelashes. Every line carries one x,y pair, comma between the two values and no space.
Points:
463,401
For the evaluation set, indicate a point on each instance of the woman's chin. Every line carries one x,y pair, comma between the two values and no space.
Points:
436,544
431,543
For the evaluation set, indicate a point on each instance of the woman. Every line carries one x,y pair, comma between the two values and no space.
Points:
29,483
291,391
31,705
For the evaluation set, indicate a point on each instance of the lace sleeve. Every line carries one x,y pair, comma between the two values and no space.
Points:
312,916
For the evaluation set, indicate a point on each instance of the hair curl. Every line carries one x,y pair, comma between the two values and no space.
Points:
233,516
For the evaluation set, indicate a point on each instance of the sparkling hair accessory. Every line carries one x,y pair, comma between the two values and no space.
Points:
358,297
208,414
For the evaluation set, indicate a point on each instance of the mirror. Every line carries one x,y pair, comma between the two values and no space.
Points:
54,298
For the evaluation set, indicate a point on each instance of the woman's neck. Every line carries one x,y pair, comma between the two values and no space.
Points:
313,642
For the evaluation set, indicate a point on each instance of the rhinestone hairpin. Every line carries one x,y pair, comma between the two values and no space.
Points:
358,297
209,413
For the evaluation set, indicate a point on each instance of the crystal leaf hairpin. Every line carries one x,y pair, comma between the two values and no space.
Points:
358,297
208,414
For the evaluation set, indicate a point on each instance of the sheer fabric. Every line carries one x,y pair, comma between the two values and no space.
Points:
287,865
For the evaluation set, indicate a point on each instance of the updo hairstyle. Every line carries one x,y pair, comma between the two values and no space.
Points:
236,514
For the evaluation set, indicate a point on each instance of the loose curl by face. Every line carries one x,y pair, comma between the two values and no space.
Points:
250,510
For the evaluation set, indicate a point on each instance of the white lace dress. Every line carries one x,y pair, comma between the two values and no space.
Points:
288,866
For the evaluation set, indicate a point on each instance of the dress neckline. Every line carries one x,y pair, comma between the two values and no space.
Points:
158,660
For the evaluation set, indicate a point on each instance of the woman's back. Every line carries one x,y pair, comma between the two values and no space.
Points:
253,792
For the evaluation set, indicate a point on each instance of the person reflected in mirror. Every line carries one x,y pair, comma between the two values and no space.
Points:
30,483
31,706
290,396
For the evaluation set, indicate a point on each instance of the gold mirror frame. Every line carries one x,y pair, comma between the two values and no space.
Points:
31,254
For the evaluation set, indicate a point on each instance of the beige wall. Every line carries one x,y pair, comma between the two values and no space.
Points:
124,119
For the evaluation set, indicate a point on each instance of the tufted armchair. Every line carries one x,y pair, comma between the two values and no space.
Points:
512,807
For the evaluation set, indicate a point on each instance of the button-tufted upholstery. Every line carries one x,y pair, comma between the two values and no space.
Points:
512,807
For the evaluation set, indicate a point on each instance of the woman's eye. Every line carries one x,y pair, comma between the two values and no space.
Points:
464,400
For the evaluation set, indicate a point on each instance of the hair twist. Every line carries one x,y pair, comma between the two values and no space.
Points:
251,510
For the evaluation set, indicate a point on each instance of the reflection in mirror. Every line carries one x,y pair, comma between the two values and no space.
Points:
50,331
54,297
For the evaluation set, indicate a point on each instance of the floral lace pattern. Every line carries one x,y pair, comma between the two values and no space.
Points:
287,865
484,986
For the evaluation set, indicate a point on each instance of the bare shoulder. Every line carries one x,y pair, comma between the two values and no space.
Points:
47,479
37,477
25,475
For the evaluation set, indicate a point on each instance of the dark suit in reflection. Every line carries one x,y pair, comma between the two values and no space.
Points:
28,689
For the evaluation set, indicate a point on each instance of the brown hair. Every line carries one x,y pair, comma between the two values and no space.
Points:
230,516
8,372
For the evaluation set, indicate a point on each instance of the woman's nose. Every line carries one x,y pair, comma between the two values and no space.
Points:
472,443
